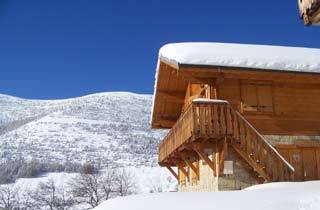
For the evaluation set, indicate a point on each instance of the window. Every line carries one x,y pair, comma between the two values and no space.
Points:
257,97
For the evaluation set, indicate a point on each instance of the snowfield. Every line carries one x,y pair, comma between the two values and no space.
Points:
274,196
147,179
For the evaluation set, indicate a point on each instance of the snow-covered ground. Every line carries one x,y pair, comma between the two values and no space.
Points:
275,196
60,179
148,179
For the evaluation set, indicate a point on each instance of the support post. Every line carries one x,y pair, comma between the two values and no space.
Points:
217,162
191,166
173,173
223,155
184,172
206,159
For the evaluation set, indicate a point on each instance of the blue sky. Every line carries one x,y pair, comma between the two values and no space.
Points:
67,48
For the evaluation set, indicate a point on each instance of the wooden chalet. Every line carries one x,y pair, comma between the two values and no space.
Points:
238,114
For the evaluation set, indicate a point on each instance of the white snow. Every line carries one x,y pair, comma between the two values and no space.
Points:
31,184
110,129
243,55
275,196
206,100
147,180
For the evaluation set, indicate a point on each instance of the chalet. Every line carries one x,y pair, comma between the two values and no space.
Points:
239,114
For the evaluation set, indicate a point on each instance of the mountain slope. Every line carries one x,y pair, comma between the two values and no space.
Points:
111,129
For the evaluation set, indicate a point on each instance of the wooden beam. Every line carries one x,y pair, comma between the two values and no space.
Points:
208,72
217,162
165,123
189,154
246,166
173,173
223,156
181,168
252,163
190,164
193,80
203,145
206,159
180,164
164,63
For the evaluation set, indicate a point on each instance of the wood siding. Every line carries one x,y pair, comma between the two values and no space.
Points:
304,158
291,109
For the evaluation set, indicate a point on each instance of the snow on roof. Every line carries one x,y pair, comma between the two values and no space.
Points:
206,100
274,196
243,55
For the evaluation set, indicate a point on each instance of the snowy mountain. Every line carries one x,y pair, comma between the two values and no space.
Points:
106,128
110,129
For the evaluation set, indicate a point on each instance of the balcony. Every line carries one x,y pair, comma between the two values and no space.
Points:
204,119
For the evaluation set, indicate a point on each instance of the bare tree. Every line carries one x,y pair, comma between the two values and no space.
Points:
108,183
92,187
86,188
124,182
49,196
26,200
9,198
155,186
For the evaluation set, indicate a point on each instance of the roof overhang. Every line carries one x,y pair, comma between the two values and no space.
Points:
172,81
173,77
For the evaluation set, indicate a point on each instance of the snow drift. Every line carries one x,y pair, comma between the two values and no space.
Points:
274,196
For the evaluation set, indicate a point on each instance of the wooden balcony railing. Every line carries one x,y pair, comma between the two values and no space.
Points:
202,119
209,120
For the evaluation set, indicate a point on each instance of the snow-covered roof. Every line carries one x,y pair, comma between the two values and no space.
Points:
243,55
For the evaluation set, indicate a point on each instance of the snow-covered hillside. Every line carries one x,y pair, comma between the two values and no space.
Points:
275,196
111,129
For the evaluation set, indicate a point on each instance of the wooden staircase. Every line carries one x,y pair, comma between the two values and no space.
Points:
257,151
248,143
207,122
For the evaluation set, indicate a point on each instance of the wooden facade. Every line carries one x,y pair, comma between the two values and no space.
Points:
237,108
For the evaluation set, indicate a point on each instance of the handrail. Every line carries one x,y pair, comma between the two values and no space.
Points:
266,142
176,136
213,119
189,126
256,145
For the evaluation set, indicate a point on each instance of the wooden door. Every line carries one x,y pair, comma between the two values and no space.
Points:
304,157
309,164
295,158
